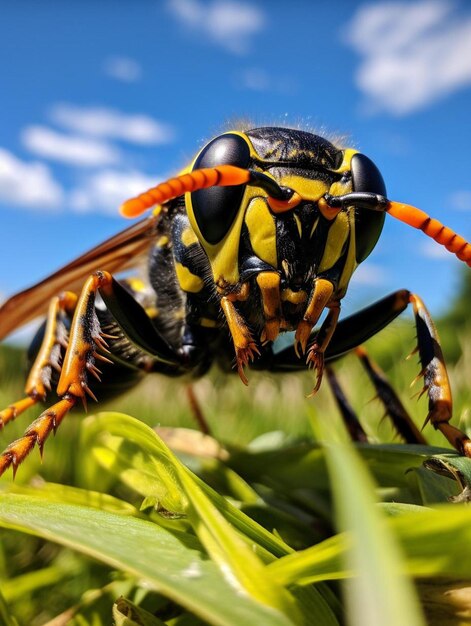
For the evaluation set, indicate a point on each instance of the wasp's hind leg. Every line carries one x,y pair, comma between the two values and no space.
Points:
349,416
48,358
354,330
38,384
87,345
394,409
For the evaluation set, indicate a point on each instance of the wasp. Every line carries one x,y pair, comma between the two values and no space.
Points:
259,235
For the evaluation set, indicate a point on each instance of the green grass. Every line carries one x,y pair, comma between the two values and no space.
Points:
289,524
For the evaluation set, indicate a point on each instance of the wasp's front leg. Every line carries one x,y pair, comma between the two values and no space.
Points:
321,295
269,284
315,356
244,344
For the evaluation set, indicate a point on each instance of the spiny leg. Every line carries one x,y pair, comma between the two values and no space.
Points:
436,380
84,321
269,284
315,356
36,433
48,358
322,293
350,332
396,411
84,340
86,345
244,345
349,416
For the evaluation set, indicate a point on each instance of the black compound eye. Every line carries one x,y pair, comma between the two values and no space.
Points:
215,208
366,176
368,224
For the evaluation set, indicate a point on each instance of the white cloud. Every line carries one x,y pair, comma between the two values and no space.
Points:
371,275
228,23
461,200
106,190
414,53
68,148
27,184
122,68
103,122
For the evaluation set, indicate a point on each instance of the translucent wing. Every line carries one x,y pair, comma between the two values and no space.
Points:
122,251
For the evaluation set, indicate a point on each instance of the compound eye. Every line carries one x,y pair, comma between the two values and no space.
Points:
215,208
366,176
368,224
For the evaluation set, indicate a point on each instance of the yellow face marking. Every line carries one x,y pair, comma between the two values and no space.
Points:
313,229
262,231
336,238
223,256
299,225
350,261
152,311
188,281
307,188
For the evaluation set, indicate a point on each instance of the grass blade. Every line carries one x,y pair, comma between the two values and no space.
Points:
379,593
172,563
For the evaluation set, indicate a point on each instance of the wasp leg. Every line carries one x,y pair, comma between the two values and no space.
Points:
396,411
48,358
245,346
196,410
350,418
350,332
269,283
87,340
36,433
323,290
315,356
87,344
436,380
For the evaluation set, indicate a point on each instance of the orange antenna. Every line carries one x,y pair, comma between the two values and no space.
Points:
432,228
221,176
405,213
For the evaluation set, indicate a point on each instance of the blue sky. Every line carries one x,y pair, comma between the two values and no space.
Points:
102,99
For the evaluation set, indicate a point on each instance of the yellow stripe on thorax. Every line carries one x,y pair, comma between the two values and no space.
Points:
336,239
